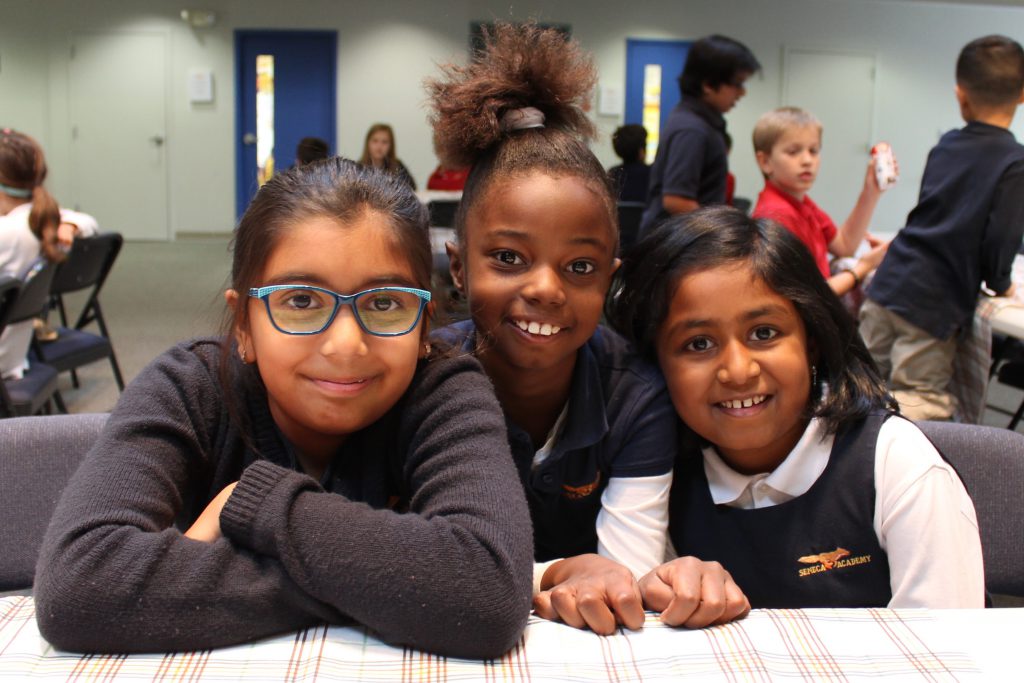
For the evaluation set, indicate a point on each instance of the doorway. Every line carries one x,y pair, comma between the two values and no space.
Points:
116,98
652,91
285,86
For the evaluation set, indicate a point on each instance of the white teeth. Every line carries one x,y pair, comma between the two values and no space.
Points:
744,403
543,329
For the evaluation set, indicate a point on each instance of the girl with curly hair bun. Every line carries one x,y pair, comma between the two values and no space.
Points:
591,425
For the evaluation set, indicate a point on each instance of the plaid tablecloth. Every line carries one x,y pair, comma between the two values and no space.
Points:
801,645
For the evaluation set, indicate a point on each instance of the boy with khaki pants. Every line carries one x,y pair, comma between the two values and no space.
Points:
965,230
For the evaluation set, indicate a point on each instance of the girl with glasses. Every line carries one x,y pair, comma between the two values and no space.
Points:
320,462
591,426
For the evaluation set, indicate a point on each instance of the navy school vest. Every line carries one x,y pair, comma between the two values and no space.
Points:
817,550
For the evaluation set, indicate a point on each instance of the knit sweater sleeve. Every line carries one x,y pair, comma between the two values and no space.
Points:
453,574
114,574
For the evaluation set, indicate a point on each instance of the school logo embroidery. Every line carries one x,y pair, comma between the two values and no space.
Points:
580,492
833,559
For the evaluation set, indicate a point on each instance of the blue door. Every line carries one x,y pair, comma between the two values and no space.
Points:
297,88
652,69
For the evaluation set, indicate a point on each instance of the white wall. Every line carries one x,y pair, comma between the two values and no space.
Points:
386,49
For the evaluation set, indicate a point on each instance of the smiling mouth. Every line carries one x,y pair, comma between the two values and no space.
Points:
739,403
343,386
541,329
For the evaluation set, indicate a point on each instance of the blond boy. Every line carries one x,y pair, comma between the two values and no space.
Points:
787,142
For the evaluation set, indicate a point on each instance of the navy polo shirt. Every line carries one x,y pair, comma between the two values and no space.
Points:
790,555
620,423
965,230
692,160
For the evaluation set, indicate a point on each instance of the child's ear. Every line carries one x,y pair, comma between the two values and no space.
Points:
246,349
616,262
764,163
456,266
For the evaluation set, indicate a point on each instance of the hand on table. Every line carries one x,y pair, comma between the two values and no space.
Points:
207,526
590,591
692,593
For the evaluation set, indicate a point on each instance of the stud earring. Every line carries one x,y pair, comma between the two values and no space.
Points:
241,354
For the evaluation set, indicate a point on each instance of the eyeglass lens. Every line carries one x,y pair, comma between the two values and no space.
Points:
384,311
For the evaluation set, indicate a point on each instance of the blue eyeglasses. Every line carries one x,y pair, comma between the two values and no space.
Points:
303,309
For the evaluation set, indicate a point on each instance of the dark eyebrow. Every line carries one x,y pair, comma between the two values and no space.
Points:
690,324
509,232
524,235
696,323
769,309
299,278
592,241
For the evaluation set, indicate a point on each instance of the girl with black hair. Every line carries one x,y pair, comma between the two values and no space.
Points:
808,487
591,426
320,462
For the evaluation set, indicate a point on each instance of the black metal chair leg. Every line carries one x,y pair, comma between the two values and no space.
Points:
117,371
1017,417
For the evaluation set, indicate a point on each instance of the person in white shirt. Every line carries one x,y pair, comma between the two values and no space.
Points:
809,488
31,225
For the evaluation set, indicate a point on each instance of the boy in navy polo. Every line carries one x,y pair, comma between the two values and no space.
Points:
965,230
691,166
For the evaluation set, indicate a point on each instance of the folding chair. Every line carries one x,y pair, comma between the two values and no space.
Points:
990,462
38,455
33,392
87,266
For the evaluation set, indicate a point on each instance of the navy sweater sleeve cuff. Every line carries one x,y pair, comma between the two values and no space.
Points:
238,518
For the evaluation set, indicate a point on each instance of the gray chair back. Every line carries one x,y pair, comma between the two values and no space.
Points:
38,455
990,462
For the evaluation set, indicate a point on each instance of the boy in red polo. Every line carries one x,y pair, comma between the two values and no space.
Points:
787,142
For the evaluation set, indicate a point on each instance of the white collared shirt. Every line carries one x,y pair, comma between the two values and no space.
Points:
924,518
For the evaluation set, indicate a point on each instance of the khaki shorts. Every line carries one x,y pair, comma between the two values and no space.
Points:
917,366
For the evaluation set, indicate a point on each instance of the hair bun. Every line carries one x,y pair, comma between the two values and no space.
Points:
520,67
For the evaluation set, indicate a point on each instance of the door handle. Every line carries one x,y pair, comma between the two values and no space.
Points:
157,140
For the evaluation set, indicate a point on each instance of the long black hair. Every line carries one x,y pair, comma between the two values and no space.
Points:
716,236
